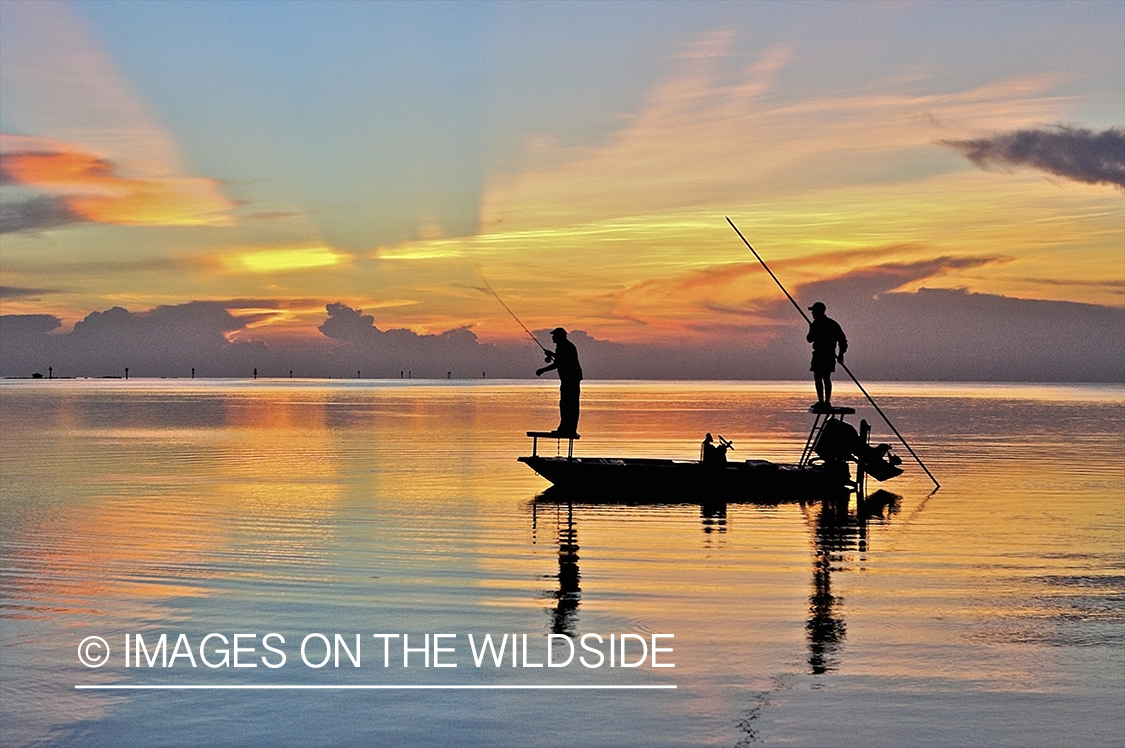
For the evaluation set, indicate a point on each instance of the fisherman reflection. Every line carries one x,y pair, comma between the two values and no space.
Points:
565,613
836,532
824,334
565,361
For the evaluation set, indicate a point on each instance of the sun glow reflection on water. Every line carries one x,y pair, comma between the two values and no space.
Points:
992,611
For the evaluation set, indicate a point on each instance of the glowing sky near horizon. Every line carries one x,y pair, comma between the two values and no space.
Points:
287,155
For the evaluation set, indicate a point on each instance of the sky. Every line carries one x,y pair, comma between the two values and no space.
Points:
332,186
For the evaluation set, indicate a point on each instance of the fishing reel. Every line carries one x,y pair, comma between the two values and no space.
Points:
725,444
548,356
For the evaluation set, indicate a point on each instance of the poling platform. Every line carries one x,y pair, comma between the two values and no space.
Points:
537,435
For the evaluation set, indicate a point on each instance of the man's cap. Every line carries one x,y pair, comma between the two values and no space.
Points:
558,331
817,307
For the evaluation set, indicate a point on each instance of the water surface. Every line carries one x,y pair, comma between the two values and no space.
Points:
989,613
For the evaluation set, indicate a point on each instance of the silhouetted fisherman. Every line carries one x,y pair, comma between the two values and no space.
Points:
565,361
714,454
824,334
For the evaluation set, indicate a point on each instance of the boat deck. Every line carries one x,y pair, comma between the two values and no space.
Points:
748,480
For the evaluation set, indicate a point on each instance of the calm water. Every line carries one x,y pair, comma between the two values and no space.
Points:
989,613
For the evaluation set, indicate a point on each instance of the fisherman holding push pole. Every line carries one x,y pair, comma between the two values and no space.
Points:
839,358
824,334
565,361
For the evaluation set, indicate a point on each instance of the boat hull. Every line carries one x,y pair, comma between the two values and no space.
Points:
752,480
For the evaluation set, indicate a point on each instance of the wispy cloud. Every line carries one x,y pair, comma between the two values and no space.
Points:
822,174
739,301
870,282
60,83
701,139
86,188
1069,152
37,214
17,292
100,151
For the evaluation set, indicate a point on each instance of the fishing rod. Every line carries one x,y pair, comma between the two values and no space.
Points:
842,364
549,354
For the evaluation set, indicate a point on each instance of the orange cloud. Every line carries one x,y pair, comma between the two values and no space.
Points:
709,304
92,190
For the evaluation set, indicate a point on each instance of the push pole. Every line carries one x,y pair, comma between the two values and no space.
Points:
842,364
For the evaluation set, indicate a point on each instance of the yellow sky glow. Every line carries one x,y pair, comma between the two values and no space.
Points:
283,260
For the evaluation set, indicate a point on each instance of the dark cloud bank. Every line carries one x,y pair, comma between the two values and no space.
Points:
932,334
1068,152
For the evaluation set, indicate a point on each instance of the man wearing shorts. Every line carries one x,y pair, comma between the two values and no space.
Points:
824,334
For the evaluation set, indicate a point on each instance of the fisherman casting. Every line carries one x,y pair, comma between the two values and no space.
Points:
565,361
824,334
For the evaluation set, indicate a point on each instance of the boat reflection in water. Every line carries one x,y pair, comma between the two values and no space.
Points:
838,526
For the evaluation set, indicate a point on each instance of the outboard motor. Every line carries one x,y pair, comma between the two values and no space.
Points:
837,440
878,462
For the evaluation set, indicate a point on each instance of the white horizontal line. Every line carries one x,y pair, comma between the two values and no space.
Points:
316,687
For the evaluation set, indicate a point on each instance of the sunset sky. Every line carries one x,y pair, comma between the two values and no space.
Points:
279,157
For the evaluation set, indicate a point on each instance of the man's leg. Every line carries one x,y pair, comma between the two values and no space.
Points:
819,378
827,388
569,394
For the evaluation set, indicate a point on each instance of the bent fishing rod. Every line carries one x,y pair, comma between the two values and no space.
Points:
548,354
842,364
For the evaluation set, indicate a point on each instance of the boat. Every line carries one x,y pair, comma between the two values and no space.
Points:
833,445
